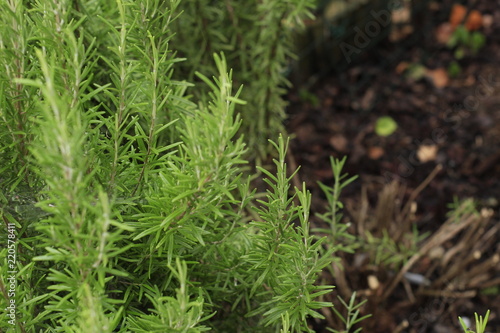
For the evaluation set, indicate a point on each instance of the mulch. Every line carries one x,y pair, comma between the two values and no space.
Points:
455,125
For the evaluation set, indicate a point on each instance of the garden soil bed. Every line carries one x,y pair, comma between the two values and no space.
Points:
453,123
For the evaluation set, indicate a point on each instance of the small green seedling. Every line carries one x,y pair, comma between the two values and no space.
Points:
385,126
466,42
308,97
480,323
352,317
416,71
454,69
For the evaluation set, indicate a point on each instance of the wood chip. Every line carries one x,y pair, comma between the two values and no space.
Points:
438,77
375,152
427,153
373,282
488,20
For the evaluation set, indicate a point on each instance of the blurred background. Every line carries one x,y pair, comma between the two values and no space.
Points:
409,92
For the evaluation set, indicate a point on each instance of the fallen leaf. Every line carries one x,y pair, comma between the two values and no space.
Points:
416,71
427,153
436,252
401,67
457,15
339,142
385,126
487,20
375,152
367,99
474,20
444,32
438,76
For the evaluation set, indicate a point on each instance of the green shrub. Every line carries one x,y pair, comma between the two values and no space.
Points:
257,36
124,200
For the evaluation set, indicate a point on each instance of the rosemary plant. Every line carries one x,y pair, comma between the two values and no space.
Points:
124,200
352,317
479,321
258,35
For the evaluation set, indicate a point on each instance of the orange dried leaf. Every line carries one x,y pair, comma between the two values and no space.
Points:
401,67
375,152
474,21
438,76
457,14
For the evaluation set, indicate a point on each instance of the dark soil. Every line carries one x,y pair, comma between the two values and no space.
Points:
456,126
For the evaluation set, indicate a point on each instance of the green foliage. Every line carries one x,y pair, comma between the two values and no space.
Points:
338,231
126,197
385,126
307,97
416,71
454,69
386,251
16,106
338,236
480,323
286,257
258,37
466,42
352,318
459,208
172,312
